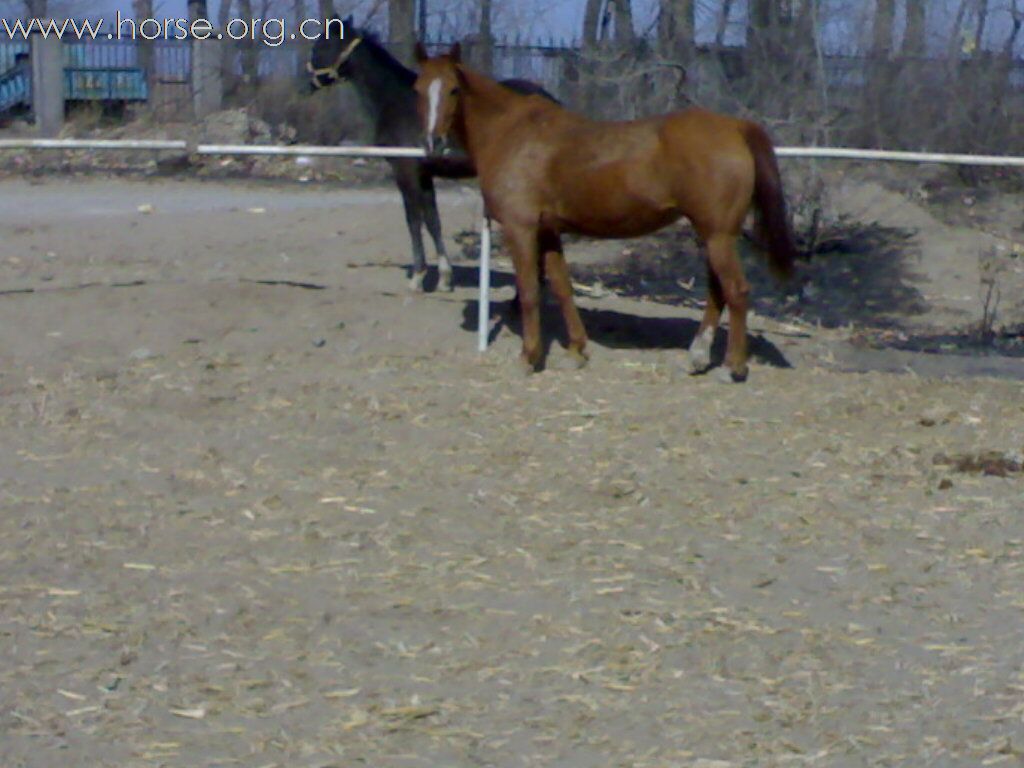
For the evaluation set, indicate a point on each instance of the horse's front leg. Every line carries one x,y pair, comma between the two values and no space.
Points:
556,272
412,200
522,242
433,219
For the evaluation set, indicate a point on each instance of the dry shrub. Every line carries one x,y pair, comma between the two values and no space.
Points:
325,117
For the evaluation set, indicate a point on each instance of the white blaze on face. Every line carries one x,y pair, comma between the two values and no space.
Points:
434,92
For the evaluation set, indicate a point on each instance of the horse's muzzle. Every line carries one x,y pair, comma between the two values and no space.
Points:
321,80
437,146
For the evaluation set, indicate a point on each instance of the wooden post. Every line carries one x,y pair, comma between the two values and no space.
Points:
47,60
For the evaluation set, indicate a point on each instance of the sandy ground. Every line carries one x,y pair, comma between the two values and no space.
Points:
304,523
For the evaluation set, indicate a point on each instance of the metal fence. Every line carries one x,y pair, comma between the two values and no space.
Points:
170,83
558,66
104,72
8,51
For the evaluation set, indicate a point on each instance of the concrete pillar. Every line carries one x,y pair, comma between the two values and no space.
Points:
47,59
207,85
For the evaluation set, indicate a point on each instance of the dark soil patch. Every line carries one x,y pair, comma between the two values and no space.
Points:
857,273
970,342
993,463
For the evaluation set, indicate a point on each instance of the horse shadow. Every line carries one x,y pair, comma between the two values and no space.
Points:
469,277
605,327
618,330
463,277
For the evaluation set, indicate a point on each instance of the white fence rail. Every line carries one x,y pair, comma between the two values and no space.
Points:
820,153
93,144
308,151
839,153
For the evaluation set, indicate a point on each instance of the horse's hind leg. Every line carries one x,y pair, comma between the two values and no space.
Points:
433,219
557,273
724,261
700,347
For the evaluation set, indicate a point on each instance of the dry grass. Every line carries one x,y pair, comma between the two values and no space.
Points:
226,544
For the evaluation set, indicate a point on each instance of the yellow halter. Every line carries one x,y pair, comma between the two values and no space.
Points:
334,70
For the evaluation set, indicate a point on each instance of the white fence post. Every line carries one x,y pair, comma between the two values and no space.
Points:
484,309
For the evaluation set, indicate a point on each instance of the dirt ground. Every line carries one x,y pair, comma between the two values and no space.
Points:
261,507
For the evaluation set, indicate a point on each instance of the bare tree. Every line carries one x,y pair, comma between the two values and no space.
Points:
591,22
881,34
485,58
980,23
197,10
955,45
987,74
913,38
1017,21
723,22
624,33
676,30
880,71
765,55
1004,60
228,53
402,28
247,49
762,24
585,75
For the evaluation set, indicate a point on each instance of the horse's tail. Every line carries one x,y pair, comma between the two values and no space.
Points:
773,221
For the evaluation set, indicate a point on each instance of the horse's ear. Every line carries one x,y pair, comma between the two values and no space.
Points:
421,52
455,54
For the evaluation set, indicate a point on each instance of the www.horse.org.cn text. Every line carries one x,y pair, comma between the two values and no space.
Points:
271,31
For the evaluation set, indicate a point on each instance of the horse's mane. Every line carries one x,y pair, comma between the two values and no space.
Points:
495,90
372,43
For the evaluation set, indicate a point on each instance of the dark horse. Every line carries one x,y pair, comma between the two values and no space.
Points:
385,87
545,171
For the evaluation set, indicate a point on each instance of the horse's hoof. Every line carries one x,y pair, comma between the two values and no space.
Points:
526,367
416,282
726,375
574,359
444,282
444,272
699,353
698,361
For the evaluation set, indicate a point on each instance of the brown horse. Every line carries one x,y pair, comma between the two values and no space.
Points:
545,170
